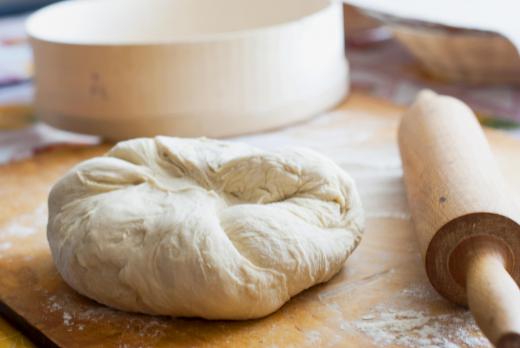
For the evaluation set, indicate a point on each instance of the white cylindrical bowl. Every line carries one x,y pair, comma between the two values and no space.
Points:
129,68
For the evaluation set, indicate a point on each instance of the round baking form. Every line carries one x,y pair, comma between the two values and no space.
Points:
127,68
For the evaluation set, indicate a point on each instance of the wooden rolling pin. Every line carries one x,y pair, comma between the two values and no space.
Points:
465,218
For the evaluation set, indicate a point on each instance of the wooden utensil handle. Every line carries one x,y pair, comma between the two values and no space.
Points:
465,218
455,189
493,297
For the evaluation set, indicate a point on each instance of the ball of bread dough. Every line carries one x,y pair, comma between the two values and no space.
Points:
201,228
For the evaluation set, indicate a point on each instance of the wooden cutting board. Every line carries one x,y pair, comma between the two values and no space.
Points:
380,298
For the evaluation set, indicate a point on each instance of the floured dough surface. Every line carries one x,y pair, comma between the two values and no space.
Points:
201,228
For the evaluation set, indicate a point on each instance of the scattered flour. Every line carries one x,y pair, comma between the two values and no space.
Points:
386,214
313,337
411,328
26,224
406,326
54,306
67,319
77,316
5,246
422,292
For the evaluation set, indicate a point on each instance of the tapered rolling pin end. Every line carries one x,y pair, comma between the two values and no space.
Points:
467,223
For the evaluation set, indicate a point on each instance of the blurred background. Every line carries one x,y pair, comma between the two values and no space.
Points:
389,57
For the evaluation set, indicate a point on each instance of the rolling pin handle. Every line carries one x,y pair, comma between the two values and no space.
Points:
493,297
466,220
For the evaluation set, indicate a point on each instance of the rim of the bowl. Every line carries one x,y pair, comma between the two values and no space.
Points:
202,38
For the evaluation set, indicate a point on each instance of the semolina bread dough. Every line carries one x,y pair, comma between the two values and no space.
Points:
201,228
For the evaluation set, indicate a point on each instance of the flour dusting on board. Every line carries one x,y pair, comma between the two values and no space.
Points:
76,317
67,319
5,246
26,224
313,337
408,327
421,292
411,328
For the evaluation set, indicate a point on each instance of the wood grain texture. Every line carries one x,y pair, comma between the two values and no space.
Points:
381,298
465,216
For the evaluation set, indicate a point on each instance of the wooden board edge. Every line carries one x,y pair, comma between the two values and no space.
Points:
29,331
